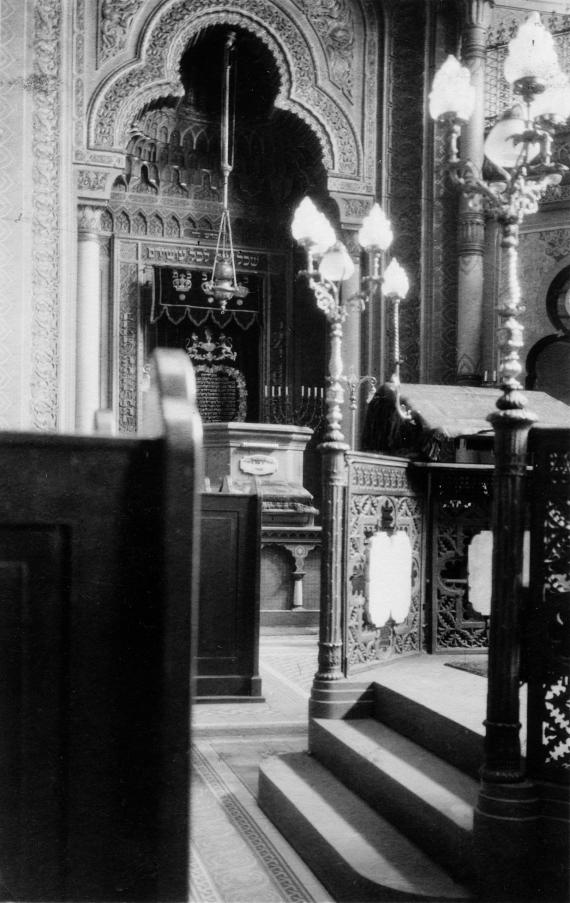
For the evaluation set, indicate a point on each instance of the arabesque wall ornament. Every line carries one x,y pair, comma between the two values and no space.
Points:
45,260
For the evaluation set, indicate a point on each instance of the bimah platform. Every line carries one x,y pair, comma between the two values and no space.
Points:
430,422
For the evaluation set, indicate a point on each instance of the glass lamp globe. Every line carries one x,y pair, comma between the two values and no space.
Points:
376,231
531,61
395,282
502,147
452,95
336,264
553,104
311,229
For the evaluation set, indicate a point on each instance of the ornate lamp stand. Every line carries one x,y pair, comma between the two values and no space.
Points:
311,229
519,147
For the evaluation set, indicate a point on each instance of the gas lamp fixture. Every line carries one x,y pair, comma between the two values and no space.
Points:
519,149
222,285
328,266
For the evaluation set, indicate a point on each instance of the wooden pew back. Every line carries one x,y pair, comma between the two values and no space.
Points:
98,542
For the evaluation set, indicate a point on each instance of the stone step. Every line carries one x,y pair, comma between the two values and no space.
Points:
355,852
449,739
426,798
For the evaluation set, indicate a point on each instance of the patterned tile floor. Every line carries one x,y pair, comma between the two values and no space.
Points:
237,855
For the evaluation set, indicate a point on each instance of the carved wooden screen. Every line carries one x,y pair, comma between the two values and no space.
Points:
381,497
460,509
549,624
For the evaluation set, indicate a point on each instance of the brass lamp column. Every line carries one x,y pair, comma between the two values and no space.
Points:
329,266
519,148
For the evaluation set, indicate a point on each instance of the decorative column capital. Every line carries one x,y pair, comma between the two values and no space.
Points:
476,20
88,221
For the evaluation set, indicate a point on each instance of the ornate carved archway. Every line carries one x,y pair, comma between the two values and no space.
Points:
321,81
326,61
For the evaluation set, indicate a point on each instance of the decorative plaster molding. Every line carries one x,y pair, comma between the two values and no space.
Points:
79,67
8,272
46,144
88,220
333,22
128,347
91,180
556,243
115,16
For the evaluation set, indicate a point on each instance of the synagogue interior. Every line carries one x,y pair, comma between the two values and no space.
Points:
285,451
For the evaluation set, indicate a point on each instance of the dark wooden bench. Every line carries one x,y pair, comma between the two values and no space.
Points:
98,541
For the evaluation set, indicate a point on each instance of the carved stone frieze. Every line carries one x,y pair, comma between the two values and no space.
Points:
79,68
46,145
115,16
379,476
88,219
91,180
196,256
333,22
128,250
128,347
353,209
556,243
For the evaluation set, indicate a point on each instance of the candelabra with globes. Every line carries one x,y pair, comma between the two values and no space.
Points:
329,265
519,169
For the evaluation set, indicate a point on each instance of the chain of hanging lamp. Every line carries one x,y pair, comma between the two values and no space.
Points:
223,285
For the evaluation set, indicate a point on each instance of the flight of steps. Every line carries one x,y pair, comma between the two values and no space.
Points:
376,814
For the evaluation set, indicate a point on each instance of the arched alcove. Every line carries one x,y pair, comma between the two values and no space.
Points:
168,203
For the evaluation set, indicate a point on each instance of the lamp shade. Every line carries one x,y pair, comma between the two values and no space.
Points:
532,55
311,229
554,103
376,231
452,94
395,282
503,146
336,264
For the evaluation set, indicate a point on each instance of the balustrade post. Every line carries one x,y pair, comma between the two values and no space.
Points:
507,808
333,449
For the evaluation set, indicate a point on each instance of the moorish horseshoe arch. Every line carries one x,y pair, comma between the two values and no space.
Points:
303,71
145,67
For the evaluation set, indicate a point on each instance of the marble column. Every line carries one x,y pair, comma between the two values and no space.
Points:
88,360
471,229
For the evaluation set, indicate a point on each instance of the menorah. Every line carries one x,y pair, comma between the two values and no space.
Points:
282,404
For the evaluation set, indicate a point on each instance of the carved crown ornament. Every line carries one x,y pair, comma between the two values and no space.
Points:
316,81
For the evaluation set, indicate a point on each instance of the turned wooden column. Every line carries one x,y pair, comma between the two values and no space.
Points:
88,367
471,222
